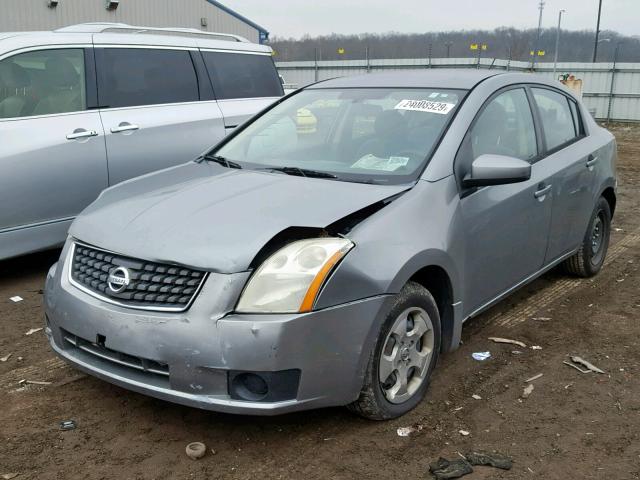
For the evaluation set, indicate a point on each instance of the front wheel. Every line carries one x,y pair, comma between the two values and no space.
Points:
588,261
405,354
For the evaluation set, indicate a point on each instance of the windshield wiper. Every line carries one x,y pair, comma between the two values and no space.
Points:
222,161
301,172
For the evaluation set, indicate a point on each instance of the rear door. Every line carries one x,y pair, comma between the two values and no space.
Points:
244,83
505,226
157,108
570,158
52,153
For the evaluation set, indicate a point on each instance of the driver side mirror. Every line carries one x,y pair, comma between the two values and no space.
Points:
489,169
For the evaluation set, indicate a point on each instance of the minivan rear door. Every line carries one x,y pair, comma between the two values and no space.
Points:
244,83
156,106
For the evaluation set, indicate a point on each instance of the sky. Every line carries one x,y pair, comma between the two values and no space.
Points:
295,18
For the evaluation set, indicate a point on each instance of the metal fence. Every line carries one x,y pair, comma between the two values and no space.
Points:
609,90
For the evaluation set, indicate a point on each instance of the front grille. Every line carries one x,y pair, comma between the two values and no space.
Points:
151,285
104,353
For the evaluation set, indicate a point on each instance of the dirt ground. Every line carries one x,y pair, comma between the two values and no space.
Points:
573,425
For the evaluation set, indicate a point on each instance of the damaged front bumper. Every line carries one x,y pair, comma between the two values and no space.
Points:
209,358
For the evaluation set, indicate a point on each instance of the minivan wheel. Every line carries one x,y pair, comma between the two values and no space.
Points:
405,354
588,261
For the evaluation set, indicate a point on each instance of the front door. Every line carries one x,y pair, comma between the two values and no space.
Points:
52,152
506,226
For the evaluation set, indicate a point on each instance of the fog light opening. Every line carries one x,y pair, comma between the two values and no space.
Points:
250,386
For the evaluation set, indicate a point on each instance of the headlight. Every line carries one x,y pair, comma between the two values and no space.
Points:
290,279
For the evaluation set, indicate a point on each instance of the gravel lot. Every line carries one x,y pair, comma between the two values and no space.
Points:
573,425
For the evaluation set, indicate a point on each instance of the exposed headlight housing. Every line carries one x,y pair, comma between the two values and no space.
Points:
289,280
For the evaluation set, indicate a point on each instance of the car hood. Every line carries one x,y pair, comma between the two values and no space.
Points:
214,218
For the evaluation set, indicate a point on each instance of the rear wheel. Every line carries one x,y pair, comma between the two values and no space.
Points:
588,261
406,353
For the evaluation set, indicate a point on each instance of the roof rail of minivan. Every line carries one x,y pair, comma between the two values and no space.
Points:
106,27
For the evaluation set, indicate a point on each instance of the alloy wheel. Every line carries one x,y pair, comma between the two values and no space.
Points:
405,358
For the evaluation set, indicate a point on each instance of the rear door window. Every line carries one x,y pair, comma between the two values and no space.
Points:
43,82
240,75
505,127
557,119
129,77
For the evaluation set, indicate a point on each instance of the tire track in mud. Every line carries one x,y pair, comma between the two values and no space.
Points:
560,289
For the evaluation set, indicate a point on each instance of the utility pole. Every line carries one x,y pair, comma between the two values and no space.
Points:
595,44
537,45
448,45
555,59
613,78
366,52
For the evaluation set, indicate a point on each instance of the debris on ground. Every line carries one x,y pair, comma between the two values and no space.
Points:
9,476
576,367
464,433
516,352
68,425
32,382
445,469
528,390
535,377
406,431
541,319
476,397
196,450
536,347
584,363
6,357
496,460
481,356
16,299
508,340
33,330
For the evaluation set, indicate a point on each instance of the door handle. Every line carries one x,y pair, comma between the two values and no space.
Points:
124,127
591,161
81,133
542,192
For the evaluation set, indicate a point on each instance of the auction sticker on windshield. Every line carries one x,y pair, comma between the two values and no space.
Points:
425,106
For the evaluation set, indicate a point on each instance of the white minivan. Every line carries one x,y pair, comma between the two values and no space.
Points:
88,106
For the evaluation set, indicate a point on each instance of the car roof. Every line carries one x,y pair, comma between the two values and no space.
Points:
440,78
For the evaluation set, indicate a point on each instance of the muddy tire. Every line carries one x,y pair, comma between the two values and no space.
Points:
588,261
406,352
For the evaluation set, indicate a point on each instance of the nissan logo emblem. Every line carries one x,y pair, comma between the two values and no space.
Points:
119,279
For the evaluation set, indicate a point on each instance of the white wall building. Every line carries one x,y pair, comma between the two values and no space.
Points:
206,15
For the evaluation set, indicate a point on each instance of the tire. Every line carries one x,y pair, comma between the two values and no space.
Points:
588,261
416,309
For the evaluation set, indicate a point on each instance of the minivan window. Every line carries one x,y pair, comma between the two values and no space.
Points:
238,75
42,82
381,135
557,120
129,77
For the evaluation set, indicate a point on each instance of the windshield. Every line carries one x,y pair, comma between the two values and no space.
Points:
377,135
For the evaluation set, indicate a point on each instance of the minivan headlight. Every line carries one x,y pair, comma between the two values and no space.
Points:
290,279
